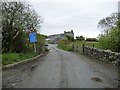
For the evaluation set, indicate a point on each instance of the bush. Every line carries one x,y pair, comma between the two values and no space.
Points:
91,39
46,49
70,38
80,38
110,40
65,44
40,44
65,47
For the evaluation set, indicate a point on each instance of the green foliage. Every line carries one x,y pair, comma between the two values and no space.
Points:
9,58
118,25
91,39
65,44
65,47
17,19
108,22
46,49
110,41
80,38
70,38
40,39
40,44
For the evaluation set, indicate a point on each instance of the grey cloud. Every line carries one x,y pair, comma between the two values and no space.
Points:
80,15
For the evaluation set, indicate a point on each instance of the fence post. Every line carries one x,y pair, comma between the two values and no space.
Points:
83,48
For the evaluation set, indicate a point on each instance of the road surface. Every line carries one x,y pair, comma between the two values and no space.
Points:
61,69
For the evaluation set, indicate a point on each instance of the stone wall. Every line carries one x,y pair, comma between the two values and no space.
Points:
105,55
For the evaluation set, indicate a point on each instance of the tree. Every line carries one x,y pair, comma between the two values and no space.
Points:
110,38
109,22
91,39
17,19
110,41
118,25
80,38
70,38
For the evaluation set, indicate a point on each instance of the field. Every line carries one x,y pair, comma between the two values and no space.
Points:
68,45
86,43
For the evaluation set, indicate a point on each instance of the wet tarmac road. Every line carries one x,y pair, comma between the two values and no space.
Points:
61,69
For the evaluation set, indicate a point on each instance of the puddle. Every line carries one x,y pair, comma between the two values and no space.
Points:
97,79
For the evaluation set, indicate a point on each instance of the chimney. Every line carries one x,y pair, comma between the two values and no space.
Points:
72,31
64,32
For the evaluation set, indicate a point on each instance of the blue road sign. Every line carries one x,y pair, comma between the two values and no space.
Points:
33,37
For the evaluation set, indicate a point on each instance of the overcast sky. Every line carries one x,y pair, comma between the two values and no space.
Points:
81,16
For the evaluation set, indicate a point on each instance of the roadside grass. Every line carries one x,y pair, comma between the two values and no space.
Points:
9,58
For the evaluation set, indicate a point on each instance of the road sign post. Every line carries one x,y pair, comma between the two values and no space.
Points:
34,47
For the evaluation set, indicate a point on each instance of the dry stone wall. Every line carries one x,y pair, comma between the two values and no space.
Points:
105,55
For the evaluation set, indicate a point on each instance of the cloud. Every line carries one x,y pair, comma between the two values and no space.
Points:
76,1
80,15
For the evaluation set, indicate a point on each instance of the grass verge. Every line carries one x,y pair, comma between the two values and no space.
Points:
9,58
